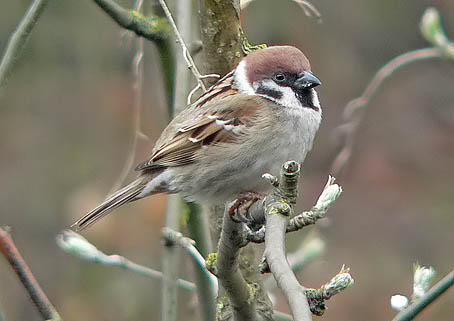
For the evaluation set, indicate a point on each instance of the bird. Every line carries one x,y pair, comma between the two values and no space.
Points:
258,116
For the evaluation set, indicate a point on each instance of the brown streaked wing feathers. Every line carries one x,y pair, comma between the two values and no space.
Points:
188,136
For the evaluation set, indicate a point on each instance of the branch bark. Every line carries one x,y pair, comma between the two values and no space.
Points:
17,262
222,35
152,28
278,212
170,262
19,38
238,291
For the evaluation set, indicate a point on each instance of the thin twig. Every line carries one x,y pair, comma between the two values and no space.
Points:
120,261
19,38
15,259
137,71
153,28
435,292
351,116
186,55
309,9
329,195
186,243
76,245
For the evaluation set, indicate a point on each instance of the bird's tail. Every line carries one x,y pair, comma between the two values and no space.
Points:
125,195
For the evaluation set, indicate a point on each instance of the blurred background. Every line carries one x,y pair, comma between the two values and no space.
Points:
66,124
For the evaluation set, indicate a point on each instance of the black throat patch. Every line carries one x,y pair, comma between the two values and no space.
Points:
305,97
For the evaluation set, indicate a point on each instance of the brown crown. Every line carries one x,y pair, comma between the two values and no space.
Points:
266,62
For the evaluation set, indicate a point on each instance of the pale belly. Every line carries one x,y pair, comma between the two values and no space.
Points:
218,184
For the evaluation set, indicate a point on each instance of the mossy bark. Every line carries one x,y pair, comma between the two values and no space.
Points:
221,35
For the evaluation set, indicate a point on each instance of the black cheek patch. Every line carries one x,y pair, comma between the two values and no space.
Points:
305,97
261,90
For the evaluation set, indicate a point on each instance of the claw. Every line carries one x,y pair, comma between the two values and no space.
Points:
239,208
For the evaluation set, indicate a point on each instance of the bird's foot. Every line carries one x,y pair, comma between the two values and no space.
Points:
239,208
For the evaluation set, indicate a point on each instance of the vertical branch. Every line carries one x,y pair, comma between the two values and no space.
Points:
277,213
183,15
199,230
172,252
24,273
221,35
228,271
19,38
170,262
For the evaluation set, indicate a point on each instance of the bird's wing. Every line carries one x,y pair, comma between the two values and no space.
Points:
223,120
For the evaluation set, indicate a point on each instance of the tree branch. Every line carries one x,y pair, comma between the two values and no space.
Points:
186,243
19,38
351,115
152,28
198,228
76,245
432,31
25,275
170,261
186,54
257,213
222,50
436,291
222,35
238,291
277,215
317,297
276,210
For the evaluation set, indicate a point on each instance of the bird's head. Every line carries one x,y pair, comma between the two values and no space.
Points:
281,74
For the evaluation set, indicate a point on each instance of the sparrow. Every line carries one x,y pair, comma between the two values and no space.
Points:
258,116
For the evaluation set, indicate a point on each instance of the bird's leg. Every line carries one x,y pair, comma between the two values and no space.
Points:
238,209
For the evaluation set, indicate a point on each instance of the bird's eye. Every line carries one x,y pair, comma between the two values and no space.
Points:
280,77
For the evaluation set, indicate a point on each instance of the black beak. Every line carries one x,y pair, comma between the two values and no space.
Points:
307,80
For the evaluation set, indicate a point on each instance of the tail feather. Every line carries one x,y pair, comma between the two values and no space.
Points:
125,195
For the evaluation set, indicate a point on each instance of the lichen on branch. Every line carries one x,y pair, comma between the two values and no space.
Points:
153,28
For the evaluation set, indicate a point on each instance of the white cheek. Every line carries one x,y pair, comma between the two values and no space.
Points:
241,81
315,100
288,98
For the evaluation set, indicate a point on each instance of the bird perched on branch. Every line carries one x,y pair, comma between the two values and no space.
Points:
260,115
